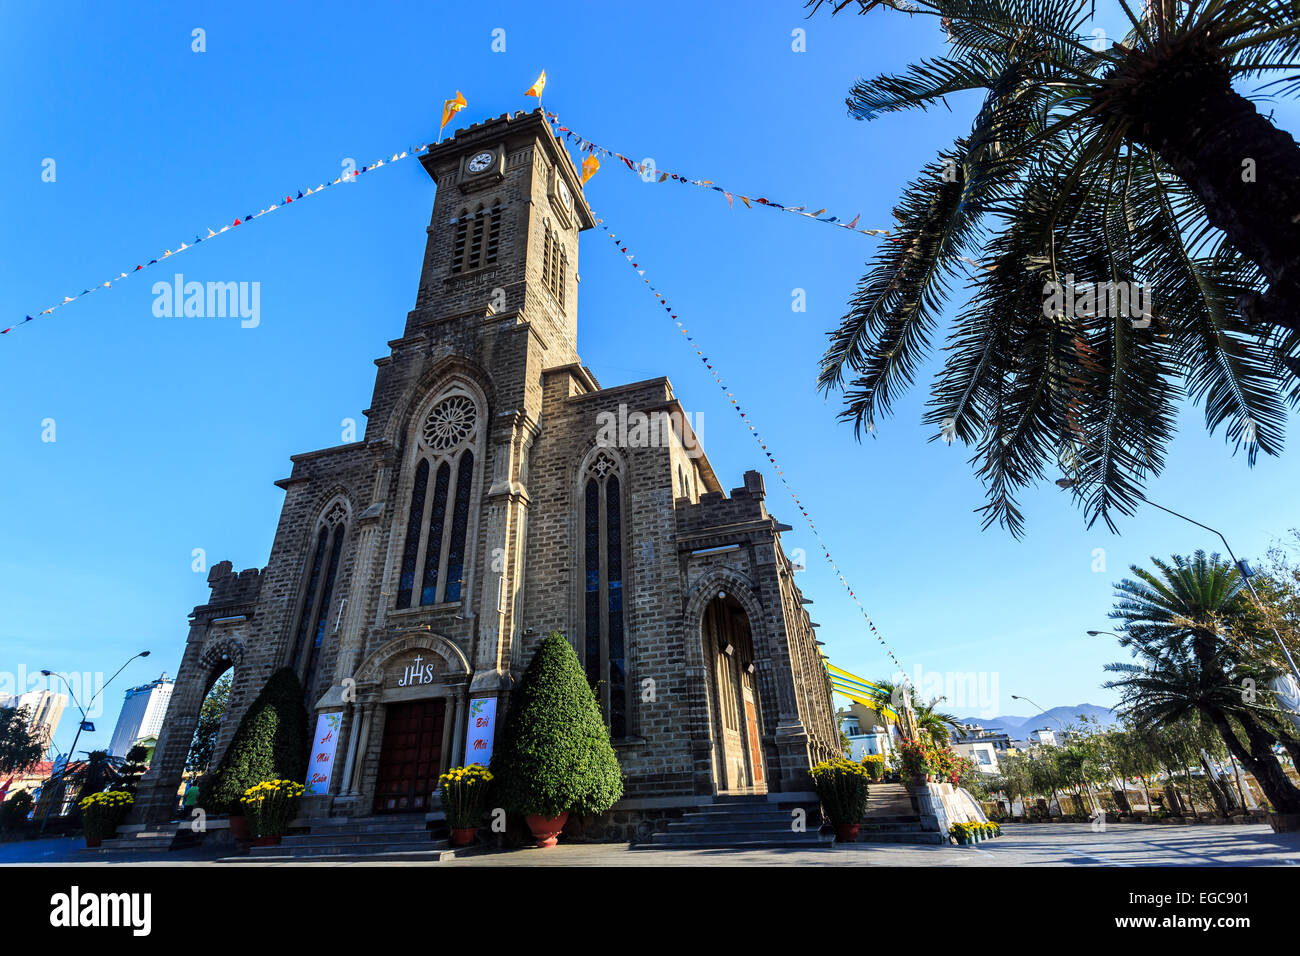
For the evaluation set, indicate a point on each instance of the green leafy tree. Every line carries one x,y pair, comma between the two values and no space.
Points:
555,754
13,812
203,747
21,744
1132,755
270,743
1103,167
935,725
132,770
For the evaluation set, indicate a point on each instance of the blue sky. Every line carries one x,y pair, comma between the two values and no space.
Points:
170,432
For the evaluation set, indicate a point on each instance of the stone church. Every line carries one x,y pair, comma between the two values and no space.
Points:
413,572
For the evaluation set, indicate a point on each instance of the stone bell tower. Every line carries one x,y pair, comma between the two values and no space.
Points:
496,307
504,231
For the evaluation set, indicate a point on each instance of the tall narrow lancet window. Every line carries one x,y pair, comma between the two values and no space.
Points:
459,242
435,550
476,238
605,646
493,246
477,235
314,621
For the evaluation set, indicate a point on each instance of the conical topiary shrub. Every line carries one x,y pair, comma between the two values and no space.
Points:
269,744
555,756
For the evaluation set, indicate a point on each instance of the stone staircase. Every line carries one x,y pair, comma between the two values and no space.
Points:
891,818
139,839
739,822
343,839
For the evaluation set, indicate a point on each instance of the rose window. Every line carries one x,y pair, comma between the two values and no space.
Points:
450,423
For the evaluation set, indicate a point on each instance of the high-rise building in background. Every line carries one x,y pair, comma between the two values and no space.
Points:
142,714
45,706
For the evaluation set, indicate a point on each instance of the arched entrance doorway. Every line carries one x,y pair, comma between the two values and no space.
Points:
408,723
201,758
734,705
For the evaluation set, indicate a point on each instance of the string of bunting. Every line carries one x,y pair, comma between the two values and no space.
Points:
213,233
709,364
587,146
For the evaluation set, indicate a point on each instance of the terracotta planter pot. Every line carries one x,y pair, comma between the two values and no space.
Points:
463,836
239,827
94,841
271,840
847,832
546,830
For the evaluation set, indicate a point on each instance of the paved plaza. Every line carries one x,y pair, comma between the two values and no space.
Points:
1060,844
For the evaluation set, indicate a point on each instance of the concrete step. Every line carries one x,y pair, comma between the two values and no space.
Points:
737,841
773,816
364,853
138,841
370,826
431,850
691,825
909,827
369,836
144,845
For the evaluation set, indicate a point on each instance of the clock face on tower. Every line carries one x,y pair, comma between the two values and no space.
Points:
479,162
566,197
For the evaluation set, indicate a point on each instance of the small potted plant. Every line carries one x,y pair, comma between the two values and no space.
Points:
102,812
842,787
269,806
463,792
875,764
914,762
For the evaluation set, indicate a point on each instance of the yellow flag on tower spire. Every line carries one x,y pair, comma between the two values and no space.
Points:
538,85
589,167
451,107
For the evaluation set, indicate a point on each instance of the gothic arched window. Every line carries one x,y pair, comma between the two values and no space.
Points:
318,595
437,525
601,608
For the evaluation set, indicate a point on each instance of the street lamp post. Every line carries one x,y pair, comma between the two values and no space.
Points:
49,804
1067,483
1040,709
1245,576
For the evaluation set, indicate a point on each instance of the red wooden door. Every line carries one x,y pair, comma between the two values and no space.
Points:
409,756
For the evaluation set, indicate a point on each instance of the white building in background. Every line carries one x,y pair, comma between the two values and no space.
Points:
982,752
1044,737
868,732
142,714
46,708
979,745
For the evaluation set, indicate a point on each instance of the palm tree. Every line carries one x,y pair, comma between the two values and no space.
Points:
1107,172
1180,622
932,723
935,725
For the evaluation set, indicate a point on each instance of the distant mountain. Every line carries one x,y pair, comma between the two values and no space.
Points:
1052,719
